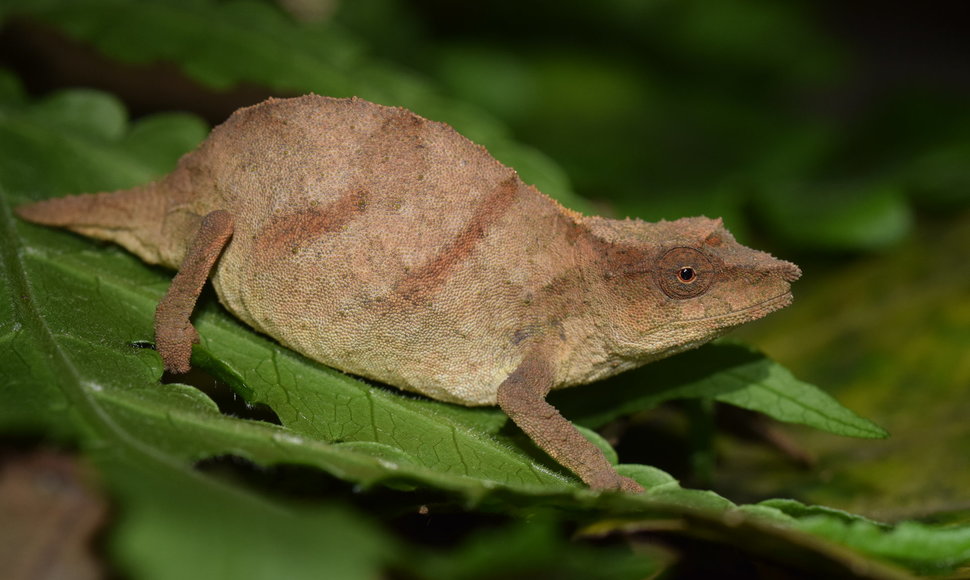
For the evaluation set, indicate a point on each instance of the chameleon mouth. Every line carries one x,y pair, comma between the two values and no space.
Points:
754,312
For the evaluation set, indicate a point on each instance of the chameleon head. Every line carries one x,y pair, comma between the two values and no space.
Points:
676,285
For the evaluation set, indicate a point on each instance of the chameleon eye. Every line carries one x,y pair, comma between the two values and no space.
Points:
685,273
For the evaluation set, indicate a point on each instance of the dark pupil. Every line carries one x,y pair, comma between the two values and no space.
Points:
686,274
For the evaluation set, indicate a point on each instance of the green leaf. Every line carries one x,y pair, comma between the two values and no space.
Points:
925,548
842,217
70,142
535,547
88,113
246,536
770,388
918,546
316,403
764,535
729,373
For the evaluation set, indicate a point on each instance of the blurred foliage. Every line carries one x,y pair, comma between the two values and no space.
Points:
746,110
891,337
752,111
221,44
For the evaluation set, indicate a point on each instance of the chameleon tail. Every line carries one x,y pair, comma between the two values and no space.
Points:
132,218
106,211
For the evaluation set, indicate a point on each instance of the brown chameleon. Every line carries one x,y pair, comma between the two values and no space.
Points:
391,247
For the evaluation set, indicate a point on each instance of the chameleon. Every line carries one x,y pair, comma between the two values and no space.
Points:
389,246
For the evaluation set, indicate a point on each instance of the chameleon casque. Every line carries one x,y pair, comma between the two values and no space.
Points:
391,247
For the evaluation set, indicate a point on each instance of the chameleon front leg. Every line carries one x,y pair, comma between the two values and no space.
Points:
174,333
522,397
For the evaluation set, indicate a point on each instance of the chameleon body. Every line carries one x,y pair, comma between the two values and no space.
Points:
389,246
